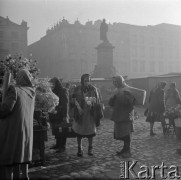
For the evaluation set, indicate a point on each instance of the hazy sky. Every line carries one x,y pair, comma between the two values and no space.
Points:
41,14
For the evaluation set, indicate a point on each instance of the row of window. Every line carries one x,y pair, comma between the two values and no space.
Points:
14,35
152,66
14,46
155,52
140,39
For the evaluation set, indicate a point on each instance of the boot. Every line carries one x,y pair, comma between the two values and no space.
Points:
90,153
126,154
80,152
127,150
152,133
121,152
56,145
61,150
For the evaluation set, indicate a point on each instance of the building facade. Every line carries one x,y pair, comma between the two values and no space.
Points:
69,50
13,37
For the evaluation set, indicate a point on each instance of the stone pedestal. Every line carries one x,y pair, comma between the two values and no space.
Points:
104,67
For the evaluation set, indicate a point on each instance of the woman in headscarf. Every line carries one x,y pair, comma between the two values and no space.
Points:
62,113
16,127
172,100
172,96
156,106
85,100
122,103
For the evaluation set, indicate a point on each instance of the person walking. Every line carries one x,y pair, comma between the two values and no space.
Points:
122,103
156,106
85,100
61,114
16,128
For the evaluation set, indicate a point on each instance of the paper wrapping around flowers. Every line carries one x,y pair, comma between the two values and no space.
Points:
139,94
45,99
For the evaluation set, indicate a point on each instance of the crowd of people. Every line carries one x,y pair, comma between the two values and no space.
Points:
81,106
82,103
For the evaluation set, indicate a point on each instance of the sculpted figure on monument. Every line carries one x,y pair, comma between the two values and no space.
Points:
103,31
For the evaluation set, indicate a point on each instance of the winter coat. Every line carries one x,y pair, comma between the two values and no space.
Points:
157,100
172,98
85,122
16,125
122,103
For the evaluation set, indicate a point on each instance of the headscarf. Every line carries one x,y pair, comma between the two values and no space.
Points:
23,78
120,82
83,87
162,84
58,86
83,77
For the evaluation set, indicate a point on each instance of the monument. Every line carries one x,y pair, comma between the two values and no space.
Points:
104,67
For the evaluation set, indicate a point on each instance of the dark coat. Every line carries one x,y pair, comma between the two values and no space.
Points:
172,98
63,106
62,111
122,115
122,104
157,100
16,125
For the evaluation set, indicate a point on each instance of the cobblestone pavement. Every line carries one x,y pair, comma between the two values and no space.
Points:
148,151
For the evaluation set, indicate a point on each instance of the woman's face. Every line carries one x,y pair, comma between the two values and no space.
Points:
86,81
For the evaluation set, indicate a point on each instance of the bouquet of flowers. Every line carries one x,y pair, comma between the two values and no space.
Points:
45,99
173,112
9,68
14,63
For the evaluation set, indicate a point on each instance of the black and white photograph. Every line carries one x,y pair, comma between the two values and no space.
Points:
90,89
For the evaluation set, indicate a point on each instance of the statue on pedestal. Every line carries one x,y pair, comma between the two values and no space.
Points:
103,31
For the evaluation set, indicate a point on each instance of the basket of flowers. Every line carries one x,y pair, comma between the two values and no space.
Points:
173,112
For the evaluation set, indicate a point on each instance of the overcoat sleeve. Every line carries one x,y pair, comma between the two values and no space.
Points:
65,103
162,100
10,100
112,101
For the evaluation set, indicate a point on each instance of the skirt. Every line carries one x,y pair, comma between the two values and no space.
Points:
154,117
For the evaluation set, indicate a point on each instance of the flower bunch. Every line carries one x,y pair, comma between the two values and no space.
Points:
17,62
173,112
45,99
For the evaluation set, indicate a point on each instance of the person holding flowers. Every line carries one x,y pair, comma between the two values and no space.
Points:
16,127
86,102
